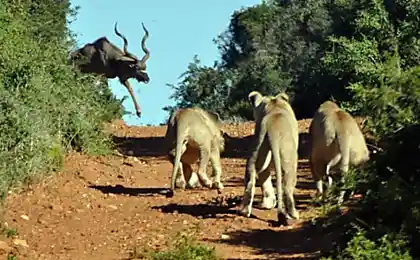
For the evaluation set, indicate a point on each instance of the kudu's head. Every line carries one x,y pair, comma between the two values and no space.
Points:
129,65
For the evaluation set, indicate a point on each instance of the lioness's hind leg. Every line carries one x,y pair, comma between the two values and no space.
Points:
336,159
180,179
191,177
202,175
245,208
318,172
344,168
217,170
269,197
289,184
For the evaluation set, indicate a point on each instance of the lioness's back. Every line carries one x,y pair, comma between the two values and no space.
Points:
283,119
331,124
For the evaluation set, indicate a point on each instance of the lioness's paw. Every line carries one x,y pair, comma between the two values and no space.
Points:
294,214
218,185
193,182
207,183
244,211
193,185
268,202
180,185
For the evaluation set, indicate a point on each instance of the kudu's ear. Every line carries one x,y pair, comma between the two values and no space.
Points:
283,96
255,98
127,59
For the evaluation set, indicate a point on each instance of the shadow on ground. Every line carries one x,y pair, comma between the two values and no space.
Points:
234,182
304,149
121,190
197,210
217,207
285,242
235,147
241,147
141,146
308,241
220,207
157,146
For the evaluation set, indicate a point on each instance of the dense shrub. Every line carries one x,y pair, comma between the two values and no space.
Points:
183,246
386,247
46,108
389,99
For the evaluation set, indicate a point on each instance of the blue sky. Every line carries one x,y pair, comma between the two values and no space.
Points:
177,31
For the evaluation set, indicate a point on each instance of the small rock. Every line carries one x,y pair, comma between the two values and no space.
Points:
225,237
24,217
42,221
20,242
112,207
128,164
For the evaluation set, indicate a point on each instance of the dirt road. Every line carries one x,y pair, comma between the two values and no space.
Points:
105,207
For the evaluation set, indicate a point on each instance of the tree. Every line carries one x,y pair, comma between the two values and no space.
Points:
201,86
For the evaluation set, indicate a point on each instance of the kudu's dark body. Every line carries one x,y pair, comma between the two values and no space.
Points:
102,57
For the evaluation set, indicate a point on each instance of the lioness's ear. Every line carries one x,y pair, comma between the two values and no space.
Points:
225,134
283,96
255,98
215,115
171,119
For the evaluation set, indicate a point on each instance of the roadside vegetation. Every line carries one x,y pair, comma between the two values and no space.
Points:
46,109
182,246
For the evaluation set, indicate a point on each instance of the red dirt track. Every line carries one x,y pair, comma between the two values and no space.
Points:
104,207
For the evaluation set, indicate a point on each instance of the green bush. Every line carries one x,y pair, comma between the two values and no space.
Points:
46,107
185,248
385,248
390,183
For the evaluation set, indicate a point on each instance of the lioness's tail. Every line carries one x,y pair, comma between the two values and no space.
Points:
180,137
274,138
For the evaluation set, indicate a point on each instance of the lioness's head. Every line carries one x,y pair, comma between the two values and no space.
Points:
262,104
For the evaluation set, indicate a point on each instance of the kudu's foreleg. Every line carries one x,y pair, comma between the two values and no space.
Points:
130,90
